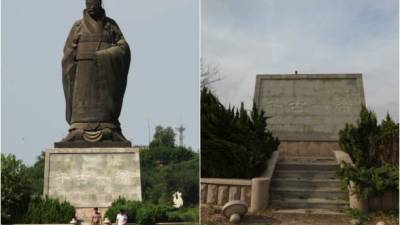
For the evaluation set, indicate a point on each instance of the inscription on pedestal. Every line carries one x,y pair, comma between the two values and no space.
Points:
309,107
92,177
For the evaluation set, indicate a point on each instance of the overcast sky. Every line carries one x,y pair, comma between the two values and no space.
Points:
162,83
245,38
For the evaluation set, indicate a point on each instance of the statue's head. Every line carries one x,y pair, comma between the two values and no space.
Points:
94,7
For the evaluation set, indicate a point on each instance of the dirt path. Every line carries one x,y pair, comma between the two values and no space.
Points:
213,217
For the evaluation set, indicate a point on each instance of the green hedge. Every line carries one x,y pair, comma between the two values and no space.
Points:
47,210
166,170
373,181
15,189
235,143
148,213
374,150
131,208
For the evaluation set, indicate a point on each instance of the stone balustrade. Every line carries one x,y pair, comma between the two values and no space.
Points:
255,191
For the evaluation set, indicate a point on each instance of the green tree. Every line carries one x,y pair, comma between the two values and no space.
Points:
361,141
389,141
47,210
36,172
374,150
15,189
166,170
234,142
163,137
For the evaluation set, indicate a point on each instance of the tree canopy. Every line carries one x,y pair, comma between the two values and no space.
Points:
374,149
163,137
234,143
15,189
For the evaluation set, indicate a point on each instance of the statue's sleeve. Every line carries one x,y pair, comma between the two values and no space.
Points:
114,62
69,67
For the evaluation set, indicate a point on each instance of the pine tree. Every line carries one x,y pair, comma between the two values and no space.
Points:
234,143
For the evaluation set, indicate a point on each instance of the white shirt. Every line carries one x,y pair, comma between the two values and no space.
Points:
122,219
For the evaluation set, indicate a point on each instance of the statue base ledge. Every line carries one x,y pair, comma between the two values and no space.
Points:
85,144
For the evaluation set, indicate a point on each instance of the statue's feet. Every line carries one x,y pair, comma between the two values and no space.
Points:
94,134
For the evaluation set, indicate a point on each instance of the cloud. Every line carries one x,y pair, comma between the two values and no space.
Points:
311,37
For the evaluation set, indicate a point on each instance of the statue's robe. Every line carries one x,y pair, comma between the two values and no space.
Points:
94,71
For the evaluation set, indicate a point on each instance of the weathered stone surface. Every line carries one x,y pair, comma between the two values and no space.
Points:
309,107
245,194
235,210
203,193
234,193
212,194
92,177
223,195
308,148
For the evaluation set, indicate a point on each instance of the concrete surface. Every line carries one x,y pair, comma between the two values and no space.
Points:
309,107
92,177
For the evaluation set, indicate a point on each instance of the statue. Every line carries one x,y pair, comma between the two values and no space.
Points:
94,75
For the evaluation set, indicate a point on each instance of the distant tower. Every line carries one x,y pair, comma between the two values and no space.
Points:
180,131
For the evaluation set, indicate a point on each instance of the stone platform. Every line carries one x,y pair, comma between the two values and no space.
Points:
92,177
307,110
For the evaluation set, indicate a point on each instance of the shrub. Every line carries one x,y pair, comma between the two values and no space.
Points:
357,214
183,177
373,181
184,215
149,214
234,142
130,207
389,141
47,210
361,141
166,170
15,189
36,172
374,150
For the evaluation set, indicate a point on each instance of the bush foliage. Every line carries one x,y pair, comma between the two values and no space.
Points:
234,143
145,213
15,189
166,170
374,150
130,207
47,210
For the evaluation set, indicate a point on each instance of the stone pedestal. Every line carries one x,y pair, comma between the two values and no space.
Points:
92,177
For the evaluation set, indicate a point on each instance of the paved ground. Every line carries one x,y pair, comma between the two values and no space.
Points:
211,216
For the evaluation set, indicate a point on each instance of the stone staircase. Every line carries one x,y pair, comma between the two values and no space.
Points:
307,183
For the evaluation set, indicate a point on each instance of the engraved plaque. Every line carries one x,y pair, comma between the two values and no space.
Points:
309,107
92,177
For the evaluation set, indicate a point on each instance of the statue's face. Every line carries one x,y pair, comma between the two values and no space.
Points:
93,7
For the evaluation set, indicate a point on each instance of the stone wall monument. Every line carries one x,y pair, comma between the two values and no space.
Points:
308,110
94,164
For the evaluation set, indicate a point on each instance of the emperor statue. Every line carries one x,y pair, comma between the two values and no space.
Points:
94,75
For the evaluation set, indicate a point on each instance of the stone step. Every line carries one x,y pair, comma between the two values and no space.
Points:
302,193
305,174
307,159
317,166
278,183
339,212
309,203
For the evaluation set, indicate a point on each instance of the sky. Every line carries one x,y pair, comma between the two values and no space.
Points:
162,85
245,38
